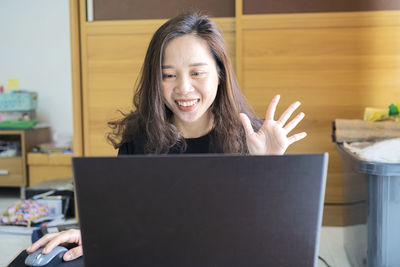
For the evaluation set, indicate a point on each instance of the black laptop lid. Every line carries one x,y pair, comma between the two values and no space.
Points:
201,210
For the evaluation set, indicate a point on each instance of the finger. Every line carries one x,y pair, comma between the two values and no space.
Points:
41,242
293,123
74,253
248,128
296,137
65,237
288,112
272,108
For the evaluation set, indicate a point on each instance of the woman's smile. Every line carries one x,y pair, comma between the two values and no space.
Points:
187,105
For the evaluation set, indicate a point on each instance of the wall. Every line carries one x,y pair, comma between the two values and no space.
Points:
336,58
35,47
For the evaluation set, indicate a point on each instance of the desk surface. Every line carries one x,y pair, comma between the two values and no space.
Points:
19,261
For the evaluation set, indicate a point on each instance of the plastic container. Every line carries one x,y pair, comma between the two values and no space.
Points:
18,101
372,239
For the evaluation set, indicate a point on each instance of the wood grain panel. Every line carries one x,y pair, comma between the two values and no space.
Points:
301,6
335,64
343,215
76,78
320,20
113,55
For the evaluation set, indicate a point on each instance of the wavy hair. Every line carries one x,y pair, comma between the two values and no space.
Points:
153,119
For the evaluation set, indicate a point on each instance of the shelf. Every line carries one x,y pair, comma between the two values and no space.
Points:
13,170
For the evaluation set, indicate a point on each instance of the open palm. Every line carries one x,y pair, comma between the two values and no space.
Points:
271,138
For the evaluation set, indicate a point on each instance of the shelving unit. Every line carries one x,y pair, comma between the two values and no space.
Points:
13,170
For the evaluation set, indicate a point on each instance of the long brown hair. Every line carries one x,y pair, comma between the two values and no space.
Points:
153,119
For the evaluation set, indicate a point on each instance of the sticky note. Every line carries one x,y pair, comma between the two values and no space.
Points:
13,84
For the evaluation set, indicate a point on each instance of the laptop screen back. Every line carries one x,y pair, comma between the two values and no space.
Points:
201,210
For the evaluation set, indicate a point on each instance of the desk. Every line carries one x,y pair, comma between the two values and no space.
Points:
19,261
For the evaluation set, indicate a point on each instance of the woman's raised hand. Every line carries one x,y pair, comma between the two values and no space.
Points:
50,241
272,139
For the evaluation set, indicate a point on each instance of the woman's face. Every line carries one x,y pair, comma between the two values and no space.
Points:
190,82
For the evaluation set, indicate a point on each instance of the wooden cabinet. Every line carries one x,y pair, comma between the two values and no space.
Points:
13,170
45,167
335,63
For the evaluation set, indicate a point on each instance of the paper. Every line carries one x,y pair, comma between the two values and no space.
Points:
387,151
13,84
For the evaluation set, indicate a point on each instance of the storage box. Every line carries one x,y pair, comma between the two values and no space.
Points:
375,239
18,101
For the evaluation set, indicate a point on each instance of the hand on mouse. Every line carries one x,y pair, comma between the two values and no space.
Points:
50,241
271,138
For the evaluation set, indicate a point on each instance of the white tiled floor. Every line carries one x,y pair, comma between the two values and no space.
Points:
331,244
331,247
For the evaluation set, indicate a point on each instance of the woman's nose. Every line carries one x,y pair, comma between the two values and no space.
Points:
183,85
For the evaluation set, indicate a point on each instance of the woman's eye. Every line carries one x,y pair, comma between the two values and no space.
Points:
168,76
197,73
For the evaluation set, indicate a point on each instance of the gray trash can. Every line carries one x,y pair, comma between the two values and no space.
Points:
372,236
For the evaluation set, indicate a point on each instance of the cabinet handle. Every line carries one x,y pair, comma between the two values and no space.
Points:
4,172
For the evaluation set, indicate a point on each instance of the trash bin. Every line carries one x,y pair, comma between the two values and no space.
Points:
372,238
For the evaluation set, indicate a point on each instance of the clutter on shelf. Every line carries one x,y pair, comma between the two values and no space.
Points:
61,143
24,212
376,138
51,147
18,109
17,115
10,148
359,130
387,151
379,114
18,125
50,202
57,194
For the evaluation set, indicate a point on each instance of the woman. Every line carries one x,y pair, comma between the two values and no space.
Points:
188,101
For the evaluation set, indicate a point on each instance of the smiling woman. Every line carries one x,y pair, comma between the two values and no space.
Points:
188,90
188,101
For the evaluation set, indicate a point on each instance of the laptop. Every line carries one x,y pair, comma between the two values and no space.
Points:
201,210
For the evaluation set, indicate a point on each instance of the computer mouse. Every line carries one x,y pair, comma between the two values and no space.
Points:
53,258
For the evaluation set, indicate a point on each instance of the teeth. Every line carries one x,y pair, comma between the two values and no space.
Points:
187,103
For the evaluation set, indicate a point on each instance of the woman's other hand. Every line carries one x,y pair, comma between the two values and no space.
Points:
272,139
50,241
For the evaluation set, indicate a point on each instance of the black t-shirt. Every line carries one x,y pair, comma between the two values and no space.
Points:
194,146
